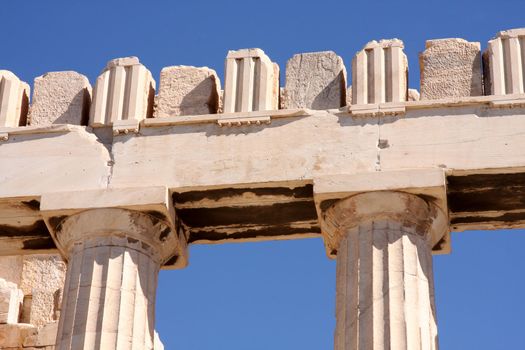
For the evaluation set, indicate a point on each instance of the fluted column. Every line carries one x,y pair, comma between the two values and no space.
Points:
114,256
385,292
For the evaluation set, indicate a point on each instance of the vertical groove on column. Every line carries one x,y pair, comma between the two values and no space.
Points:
67,316
366,304
384,289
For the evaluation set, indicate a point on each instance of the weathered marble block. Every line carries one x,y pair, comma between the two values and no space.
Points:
315,80
252,82
185,90
14,100
60,98
504,63
379,73
10,302
43,278
124,91
450,68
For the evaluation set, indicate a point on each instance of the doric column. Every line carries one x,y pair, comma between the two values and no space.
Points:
114,256
385,292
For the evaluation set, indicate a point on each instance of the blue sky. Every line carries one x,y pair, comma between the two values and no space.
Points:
280,295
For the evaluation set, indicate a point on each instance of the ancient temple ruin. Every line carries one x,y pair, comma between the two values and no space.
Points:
101,186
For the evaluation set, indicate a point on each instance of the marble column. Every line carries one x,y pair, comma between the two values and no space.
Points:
114,256
385,292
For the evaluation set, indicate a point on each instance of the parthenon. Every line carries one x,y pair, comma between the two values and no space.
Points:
102,186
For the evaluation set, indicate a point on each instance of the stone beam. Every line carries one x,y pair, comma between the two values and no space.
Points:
254,180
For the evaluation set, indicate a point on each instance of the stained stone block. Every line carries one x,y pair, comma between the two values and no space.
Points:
450,68
43,278
379,73
60,98
14,100
124,91
504,63
315,80
10,301
252,82
185,90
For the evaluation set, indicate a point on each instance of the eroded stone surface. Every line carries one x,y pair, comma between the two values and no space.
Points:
60,98
450,68
14,100
185,90
315,80
43,278
10,302
413,95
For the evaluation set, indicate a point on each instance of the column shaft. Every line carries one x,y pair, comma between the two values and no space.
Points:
385,296
109,298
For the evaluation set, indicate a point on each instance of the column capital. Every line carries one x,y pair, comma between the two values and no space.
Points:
142,219
409,210
116,227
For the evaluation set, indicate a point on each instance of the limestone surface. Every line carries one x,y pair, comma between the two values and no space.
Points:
185,90
450,68
14,100
60,98
315,80
43,278
413,95
10,302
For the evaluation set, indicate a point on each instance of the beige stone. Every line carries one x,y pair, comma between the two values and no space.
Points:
349,95
413,95
503,63
14,100
124,91
380,73
10,302
43,278
385,288
450,68
44,336
185,90
60,98
157,343
14,335
315,80
251,82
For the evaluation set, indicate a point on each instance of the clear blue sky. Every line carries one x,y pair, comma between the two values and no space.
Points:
280,295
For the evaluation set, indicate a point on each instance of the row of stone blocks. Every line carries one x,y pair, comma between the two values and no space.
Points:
125,90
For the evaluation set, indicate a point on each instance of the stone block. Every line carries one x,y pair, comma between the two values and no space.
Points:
380,73
315,80
60,98
349,95
10,302
43,278
14,100
43,336
157,343
450,68
413,95
124,91
185,90
14,335
252,82
504,63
